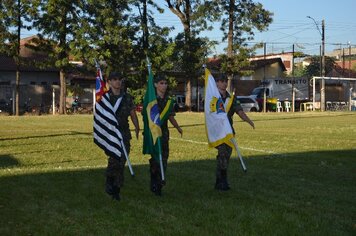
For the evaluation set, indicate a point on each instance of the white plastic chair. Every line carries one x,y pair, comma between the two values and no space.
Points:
287,106
328,105
309,106
279,107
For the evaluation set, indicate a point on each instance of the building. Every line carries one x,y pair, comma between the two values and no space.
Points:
271,68
286,58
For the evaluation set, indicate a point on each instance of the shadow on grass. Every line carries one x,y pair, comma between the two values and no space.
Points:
7,161
310,193
48,136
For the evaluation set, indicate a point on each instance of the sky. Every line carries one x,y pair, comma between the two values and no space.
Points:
291,26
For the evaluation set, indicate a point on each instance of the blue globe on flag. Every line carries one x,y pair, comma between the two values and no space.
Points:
154,115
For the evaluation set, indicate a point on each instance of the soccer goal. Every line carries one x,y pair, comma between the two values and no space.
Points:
339,93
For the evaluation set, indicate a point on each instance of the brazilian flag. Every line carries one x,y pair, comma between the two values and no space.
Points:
151,120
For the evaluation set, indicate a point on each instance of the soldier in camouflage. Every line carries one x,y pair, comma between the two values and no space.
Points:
224,150
127,108
165,105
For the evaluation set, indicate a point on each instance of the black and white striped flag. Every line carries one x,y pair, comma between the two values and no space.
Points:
106,132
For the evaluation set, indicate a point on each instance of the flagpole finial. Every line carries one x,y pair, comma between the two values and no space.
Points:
148,62
96,63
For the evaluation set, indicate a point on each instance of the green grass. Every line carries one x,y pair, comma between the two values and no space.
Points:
301,179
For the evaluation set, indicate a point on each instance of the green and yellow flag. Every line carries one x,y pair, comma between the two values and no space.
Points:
151,120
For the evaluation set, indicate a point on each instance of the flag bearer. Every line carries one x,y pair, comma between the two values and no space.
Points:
126,108
224,150
165,107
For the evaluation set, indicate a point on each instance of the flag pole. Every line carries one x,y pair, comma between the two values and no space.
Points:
160,159
128,159
158,139
122,143
233,140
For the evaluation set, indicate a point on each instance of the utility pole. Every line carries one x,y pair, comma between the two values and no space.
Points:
264,79
293,89
343,62
322,91
349,59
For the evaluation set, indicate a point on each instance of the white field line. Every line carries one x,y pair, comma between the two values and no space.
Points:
59,168
205,143
33,170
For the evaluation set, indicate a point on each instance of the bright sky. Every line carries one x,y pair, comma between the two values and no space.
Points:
291,25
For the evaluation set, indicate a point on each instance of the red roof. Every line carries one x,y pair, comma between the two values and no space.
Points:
28,55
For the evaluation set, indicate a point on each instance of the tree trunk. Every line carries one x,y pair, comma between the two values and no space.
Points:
18,76
17,93
230,43
185,19
145,27
187,52
63,89
145,42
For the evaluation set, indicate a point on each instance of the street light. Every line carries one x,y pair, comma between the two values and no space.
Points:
322,89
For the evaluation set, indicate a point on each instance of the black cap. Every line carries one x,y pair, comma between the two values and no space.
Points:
115,74
221,77
159,77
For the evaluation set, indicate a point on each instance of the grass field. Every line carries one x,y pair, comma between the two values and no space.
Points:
301,179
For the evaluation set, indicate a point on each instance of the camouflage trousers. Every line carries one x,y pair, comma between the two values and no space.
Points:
154,161
115,168
157,182
222,159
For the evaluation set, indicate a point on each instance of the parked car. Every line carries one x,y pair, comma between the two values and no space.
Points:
4,106
353,104
248,103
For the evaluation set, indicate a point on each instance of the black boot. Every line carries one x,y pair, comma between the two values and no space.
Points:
153,185
159,184
225,184
156,183
218,183
116,193
109,184
221,183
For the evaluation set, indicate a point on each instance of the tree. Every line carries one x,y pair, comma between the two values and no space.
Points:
107,33
12,15
313,69
194,16
57,22
154,42
240,19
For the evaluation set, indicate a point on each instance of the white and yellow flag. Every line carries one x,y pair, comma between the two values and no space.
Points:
218,128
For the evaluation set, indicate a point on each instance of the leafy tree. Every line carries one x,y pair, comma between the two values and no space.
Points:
240,19
299,71
58,22
154,42
194,16
201,48
12,17
313,69
121,37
